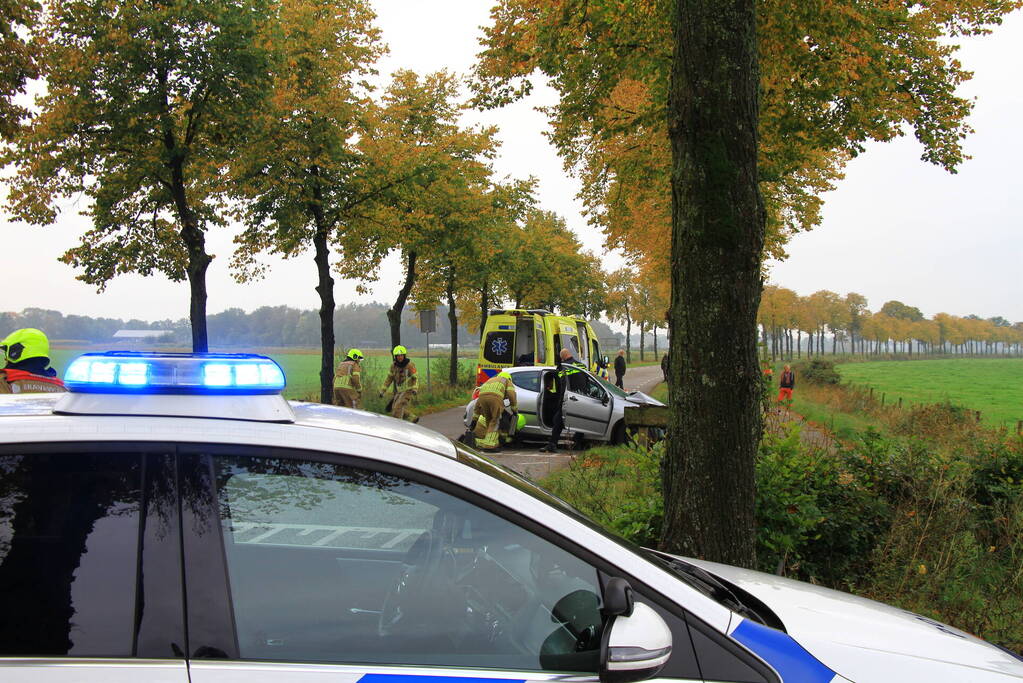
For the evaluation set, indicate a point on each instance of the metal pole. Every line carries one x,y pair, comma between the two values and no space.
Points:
427,361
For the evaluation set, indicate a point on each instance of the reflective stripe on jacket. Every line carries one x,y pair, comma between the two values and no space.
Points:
503,388
23,382
403,378
348,376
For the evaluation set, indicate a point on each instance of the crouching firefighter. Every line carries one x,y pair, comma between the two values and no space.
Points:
26,354
348,381
489,406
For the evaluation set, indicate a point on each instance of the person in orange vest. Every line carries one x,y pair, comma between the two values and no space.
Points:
26,354
348,381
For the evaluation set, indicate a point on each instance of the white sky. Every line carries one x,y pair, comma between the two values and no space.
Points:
896,228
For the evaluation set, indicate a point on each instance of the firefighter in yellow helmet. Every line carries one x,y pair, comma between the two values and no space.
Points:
405,382
489,406
348,381
26,355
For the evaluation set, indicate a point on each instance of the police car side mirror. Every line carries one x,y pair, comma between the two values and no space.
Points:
636,643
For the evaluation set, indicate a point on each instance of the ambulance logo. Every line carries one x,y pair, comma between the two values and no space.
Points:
499,346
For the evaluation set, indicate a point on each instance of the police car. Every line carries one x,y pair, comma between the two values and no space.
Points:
174,519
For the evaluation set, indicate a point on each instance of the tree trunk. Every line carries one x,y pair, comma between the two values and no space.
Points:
453,322
325,288
655,343
484,306
194,239
718,223
628,335
394,313
642,341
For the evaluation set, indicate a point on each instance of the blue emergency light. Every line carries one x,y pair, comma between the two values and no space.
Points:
174,373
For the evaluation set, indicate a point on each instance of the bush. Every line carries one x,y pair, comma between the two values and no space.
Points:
819,371
617,487
818,515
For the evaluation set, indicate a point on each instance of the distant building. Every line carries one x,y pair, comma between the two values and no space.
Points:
135,337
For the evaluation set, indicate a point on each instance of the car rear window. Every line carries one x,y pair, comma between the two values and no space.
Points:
527,380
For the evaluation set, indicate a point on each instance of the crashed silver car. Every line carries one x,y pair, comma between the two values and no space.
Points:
594,408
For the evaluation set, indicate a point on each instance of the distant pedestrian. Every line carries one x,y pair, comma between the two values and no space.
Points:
786,383
664,366
620,369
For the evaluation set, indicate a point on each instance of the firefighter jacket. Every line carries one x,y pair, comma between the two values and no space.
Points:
403,377
24,382
348,376
503,388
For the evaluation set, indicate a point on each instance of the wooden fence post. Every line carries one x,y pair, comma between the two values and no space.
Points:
978,416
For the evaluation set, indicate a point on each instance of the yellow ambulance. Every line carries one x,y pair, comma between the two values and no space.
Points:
517,337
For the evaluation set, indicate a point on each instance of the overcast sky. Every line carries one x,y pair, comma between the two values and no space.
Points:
896,228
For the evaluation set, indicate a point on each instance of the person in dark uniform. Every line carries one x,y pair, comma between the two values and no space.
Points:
567,367
620,369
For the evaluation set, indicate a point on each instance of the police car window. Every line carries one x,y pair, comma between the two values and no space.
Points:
529,381
69,528
330,563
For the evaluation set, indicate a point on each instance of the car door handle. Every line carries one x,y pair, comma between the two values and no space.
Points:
572,398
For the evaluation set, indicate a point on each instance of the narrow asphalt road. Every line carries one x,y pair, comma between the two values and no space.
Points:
530,462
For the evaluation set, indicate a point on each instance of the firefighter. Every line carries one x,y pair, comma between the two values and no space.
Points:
488,410
405,381
26,354
348,381
568,370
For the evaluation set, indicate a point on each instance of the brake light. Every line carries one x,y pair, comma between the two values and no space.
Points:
481,377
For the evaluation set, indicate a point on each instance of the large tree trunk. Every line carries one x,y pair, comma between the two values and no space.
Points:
718,224
325,288
453,323
394,313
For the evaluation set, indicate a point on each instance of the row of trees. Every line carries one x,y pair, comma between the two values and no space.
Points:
714,126
785,317
173,119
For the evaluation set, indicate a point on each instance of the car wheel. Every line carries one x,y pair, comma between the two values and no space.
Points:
618,433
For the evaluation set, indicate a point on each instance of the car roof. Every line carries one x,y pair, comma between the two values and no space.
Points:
315,415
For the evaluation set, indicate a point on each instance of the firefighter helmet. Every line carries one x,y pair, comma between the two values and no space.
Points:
355,354
25,343
399,350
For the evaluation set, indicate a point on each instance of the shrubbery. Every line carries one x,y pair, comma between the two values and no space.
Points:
932,526
818,371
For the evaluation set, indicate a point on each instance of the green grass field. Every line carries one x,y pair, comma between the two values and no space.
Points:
992,386
302,369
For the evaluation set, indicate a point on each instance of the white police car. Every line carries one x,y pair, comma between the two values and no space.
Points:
175,519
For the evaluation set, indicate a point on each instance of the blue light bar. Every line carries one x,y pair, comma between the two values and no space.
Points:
174,373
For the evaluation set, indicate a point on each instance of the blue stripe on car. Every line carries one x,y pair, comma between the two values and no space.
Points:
403,678
789,659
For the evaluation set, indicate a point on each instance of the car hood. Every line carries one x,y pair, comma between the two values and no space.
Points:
639,398
864,640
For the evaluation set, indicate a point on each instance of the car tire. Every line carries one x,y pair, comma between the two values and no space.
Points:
618,433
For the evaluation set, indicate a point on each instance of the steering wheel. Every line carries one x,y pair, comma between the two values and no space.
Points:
427,575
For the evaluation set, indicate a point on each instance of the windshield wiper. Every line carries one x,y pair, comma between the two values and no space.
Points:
709,585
